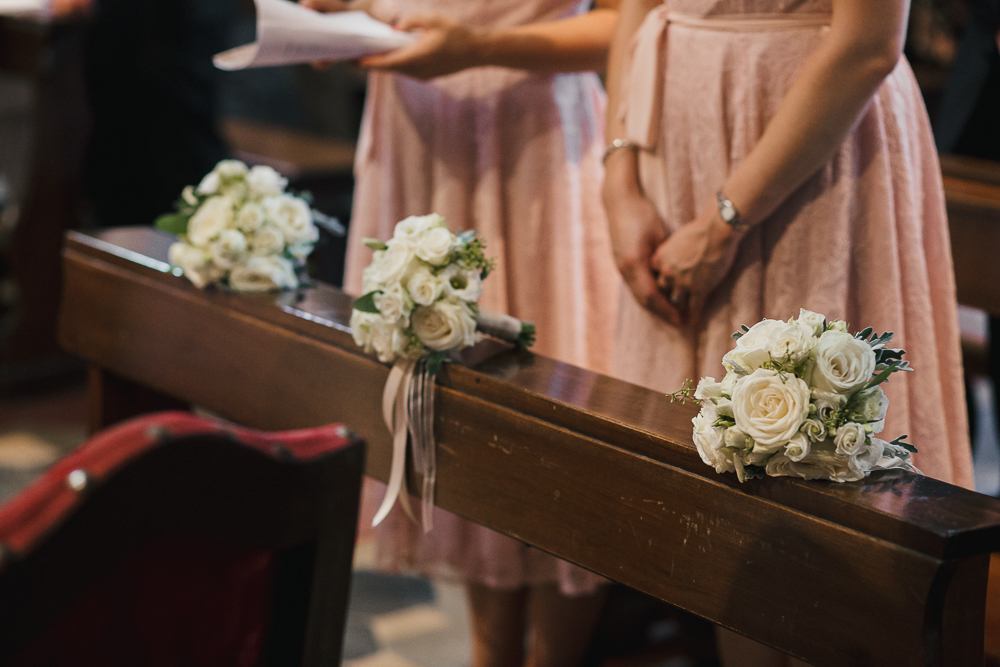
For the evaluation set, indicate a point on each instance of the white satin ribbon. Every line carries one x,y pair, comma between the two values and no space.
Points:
394,414
408,407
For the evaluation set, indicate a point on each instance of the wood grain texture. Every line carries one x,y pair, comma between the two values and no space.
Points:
595,470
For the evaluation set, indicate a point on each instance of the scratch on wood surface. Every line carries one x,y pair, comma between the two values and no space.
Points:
633,532
556,495
446,448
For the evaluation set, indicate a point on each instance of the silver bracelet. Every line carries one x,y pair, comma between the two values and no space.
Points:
615,145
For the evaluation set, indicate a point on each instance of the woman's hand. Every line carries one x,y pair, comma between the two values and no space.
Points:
442,47
694,260
636,231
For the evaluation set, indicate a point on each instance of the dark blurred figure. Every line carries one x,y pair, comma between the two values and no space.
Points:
153,94
968,120
968,123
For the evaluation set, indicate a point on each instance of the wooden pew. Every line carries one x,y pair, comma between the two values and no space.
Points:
891,571
972,194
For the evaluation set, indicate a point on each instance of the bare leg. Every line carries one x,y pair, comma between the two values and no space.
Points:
560,627
738,651
498,618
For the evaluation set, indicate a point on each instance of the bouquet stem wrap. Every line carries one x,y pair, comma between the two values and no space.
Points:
408,407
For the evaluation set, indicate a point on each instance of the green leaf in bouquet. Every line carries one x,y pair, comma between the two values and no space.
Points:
174,223
753,472
884,374
366,303
527,337
374,244
739,334
905,445
864,334
434,360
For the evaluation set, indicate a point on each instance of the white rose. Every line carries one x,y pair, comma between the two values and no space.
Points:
424,286
210,184
263,274
798,447
445,325
791,342
728,383
843,363
464,284
813,320
770,407
736,439
361,328
229,249
724,406
710,441
263,181
827,402
383,335
837,325
751,350
368,282
434,246
708,388
187,194
410,229
868,458
196,264
231,169
268,240
820,465
251,217
392,264
293,217
391,303
300,250
850,439
813,429
215,215
871,407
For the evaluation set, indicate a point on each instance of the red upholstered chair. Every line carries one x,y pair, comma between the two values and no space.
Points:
173,540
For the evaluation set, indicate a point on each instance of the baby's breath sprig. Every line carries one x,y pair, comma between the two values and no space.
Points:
684,394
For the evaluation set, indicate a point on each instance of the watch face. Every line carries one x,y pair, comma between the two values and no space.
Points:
728,212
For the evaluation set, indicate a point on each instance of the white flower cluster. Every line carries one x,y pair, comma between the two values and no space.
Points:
420,290
238,225
800,399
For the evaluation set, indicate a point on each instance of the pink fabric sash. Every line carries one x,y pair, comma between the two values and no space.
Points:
645,68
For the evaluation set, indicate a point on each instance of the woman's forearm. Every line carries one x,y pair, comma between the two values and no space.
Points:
577,43
631,14
828,96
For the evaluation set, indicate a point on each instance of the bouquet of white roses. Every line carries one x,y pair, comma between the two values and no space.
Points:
239,226
800,399
420,301
421,293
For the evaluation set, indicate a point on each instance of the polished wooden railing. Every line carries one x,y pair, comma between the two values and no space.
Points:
890,571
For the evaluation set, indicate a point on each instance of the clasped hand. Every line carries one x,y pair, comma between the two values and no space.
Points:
671,276
442,47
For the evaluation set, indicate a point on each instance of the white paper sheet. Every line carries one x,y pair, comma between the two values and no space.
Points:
288,33
25,8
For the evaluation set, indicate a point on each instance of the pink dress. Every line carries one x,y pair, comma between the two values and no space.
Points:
865,239
516,156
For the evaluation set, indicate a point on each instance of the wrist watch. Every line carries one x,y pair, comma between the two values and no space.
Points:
729,214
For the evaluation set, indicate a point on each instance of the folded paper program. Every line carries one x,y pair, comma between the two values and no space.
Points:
288,33
25,8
